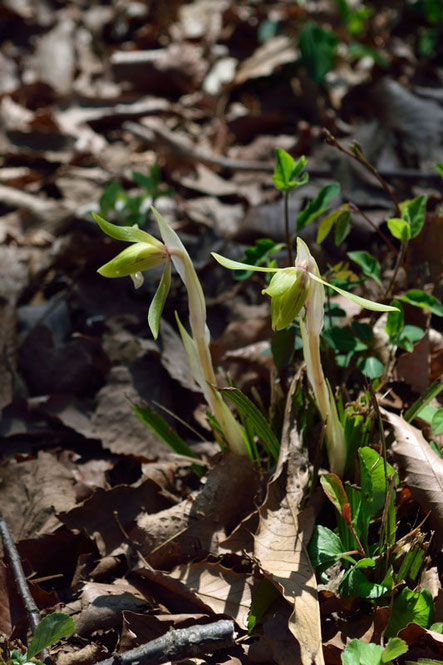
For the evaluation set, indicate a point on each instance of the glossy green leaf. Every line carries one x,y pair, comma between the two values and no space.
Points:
410,607
257,255
287,171
340,339
423,300
50,629
394,648
334,490
158,302
399,228
395,321
415,213
326,225
437,422
325,546
125,233
342,227
369,265
371,367
357,652
318,206
439,168
283,170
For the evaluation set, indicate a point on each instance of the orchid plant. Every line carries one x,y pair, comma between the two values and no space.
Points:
299,291
146,252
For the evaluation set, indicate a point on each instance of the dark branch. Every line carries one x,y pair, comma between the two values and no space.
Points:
13,558
177,644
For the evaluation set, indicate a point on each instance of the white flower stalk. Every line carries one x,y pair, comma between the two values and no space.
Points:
300,291
147,252
197,346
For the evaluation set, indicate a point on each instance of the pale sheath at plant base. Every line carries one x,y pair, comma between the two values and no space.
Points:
147,252
299,290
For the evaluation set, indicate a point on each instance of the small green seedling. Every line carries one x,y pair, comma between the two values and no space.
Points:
50,629
358,652
127,208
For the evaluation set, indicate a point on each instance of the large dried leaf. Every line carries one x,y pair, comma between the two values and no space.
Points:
221,589
281,547
424,468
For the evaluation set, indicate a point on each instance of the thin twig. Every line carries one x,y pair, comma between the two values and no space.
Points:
398,263
13,558
178,644
160,136
356,153
287,231
367,219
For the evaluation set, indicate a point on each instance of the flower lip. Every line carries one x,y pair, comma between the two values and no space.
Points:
137,257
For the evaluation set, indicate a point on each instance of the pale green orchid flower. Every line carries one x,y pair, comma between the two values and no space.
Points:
147,252
299,290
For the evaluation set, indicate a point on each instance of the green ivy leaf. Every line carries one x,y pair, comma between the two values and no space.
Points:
257,255
50,629
325,546
423,300
287,171
395,321
415,213
399,228
369,265
318,206
371,367
410,607
342,227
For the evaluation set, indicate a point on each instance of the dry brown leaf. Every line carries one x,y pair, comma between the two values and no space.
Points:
277,51
281,547
424,468
32,492
221,589
102,605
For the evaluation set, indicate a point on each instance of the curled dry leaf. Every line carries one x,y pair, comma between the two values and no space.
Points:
221,589
281,547
424,468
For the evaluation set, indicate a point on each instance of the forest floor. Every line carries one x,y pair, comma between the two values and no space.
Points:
110,107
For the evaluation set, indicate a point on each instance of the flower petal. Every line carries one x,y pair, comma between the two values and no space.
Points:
158,302
135,258
238,265
363,302
126,233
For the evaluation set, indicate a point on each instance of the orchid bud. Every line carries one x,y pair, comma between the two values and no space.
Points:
134,259
288,290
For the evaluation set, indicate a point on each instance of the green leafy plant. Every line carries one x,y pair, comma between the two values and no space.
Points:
50,629
128,209
374,564
147,252
358,652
